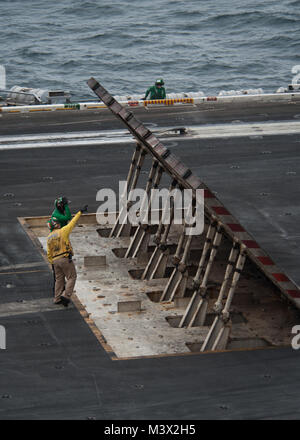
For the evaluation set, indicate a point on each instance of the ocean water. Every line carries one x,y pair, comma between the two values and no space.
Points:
193,45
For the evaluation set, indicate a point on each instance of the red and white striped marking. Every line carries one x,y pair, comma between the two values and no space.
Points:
255,252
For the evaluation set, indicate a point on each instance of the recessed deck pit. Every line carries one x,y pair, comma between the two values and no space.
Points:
261,317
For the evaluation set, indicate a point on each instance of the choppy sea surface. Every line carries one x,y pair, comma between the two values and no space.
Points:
193,45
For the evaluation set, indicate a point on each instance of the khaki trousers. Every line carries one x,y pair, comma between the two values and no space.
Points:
65,278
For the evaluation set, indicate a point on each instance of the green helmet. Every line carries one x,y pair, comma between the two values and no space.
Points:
159,82
60,201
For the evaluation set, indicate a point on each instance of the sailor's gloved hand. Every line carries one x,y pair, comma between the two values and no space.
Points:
64,201
84,209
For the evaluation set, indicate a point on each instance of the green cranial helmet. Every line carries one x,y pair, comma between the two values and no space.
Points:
58,201
52,223
159,82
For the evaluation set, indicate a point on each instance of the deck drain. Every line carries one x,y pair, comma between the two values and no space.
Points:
32,322
8,195
45,344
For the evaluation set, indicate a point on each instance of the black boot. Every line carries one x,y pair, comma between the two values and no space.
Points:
65,301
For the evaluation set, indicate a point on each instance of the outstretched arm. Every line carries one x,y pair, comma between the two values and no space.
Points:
66,230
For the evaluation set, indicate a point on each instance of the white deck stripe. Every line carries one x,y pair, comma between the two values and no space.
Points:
122,136
245,129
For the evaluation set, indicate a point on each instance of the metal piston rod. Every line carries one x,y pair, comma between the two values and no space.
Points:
196,310
165,214
207,245
140,240
229,268
177,283
176,257
122,227
157,264
219,331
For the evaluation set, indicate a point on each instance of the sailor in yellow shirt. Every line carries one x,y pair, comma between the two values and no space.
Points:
60,252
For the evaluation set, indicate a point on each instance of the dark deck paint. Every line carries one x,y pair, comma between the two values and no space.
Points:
54,367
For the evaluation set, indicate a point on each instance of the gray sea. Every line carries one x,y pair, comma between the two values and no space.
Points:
193,45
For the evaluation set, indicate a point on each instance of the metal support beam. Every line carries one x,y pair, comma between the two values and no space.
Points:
229,268
219,332
122,227
157,264
207,245
177,255
165,214
140,240
196,310
178,281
